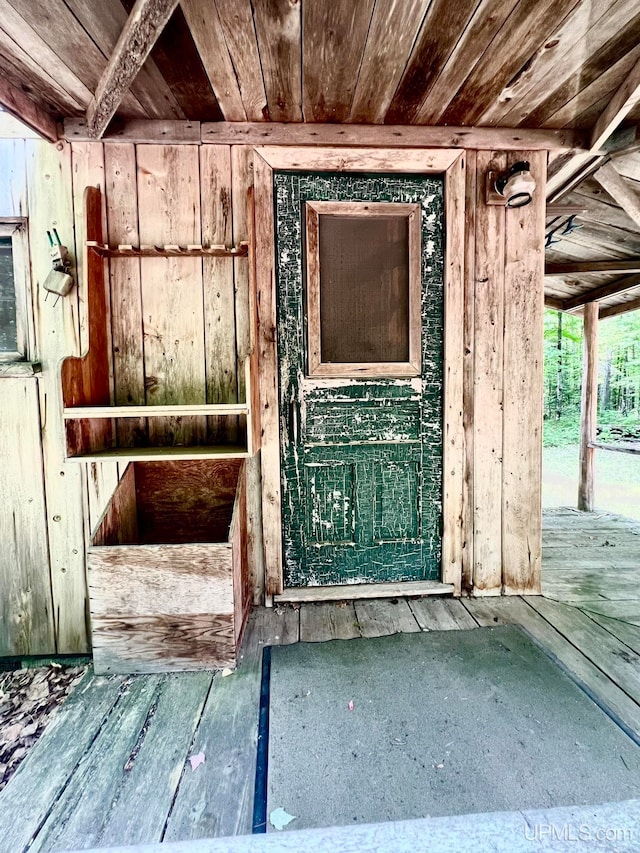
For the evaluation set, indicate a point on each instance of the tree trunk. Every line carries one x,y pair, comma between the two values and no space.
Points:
559,369
605,393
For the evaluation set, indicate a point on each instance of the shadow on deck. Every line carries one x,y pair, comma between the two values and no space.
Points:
113,766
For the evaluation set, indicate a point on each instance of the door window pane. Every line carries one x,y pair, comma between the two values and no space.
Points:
364,288
8,318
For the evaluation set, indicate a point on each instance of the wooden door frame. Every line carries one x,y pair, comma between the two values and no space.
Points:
449,162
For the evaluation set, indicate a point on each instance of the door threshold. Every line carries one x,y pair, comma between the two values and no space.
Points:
347,592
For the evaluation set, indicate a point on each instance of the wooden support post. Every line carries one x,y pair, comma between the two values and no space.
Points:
588,407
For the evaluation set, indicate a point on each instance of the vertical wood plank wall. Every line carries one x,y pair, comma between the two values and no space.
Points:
185,323
506,407
488,331
26,606
50,194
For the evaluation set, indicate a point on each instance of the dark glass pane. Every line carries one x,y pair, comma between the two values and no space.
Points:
364,288
8,327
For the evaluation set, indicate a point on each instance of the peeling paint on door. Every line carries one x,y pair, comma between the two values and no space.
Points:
361,457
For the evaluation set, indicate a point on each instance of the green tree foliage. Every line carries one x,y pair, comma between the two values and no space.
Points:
562,364
619,364
618,377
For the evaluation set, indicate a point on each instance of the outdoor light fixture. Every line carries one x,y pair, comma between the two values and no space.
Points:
516,185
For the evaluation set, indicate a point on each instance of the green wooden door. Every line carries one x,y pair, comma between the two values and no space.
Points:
360,376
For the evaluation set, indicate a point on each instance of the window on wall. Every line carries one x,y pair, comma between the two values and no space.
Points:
363,288
15,308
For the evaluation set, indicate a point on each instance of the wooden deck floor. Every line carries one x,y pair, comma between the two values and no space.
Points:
113,768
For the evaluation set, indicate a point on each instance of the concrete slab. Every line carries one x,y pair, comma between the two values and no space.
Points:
609,827
443,723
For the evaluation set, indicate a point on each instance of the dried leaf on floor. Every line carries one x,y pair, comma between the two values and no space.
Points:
279,818
196,760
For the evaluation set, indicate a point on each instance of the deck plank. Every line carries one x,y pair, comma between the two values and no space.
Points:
277,626
28,798
592,585
444,615
598,645
626,633
624,611
379,618
518,611
577,558
217,799
597,555
596,537
566,516
588,524
77,817
150,778
328,621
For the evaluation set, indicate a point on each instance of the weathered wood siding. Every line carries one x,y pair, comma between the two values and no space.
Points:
172,330
180,328
503,390
26,607
42,574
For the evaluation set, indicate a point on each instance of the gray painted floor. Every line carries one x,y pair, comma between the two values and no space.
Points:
612,827
489,723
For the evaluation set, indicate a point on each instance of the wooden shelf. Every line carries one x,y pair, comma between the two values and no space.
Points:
176,411
165,454
240,251
91,421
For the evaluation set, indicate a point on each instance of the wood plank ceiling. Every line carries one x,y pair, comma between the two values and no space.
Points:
484,63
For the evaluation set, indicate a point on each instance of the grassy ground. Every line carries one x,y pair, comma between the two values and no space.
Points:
617,480
566,430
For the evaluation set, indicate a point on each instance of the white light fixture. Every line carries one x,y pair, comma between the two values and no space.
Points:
516,185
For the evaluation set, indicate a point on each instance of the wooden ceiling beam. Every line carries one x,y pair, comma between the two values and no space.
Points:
622,308
391,136
14,101
612,288
553,302
355,135
620,105
576,169
619,190
626,97
145,23
565,210
626,140
578,267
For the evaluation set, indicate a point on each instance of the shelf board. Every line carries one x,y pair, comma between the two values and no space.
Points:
239,251
167,454
175,411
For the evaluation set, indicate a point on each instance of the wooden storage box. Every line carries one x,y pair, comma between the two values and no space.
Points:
167,569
